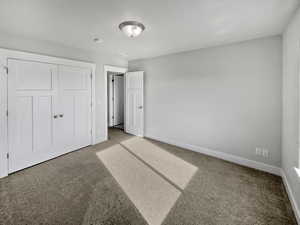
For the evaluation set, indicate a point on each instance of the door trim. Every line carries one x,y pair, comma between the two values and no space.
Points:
6,54
109,68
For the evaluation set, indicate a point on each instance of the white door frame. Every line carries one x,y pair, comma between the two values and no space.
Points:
109,97
6,54
117,69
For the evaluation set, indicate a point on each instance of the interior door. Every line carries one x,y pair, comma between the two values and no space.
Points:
49,111
134,113
75,107
32,101
118,100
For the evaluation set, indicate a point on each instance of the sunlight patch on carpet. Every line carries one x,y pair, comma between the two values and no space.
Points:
172,167
151,194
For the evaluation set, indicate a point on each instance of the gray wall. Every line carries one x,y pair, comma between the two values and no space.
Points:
290,125
53,49
226,98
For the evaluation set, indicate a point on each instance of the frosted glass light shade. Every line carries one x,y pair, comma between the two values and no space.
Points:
132,28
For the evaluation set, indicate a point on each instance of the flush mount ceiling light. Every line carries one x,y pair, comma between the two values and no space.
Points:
132,28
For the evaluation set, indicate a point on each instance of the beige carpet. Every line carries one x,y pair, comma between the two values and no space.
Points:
80,189
151,194
172,167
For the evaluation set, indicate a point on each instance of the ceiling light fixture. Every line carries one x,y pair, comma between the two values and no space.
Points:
132,28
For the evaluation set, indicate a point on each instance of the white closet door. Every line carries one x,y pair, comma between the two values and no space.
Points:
75,107
49,111
32,97
134,123
118,100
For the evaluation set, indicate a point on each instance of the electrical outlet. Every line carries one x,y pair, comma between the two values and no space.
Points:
258,151
265,153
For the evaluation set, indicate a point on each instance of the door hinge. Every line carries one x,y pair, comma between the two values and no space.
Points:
7,155
91,75
113,80
7,113
91,132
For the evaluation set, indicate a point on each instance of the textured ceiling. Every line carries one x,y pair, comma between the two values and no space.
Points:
171,25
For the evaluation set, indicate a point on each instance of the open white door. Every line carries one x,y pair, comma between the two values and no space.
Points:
134,106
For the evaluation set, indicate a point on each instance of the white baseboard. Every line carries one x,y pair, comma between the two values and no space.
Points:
241,161
221,155
291,196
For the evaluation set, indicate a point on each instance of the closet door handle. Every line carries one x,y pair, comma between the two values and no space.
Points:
55,116
61,115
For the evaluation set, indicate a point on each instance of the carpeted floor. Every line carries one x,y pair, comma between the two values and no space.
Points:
115,183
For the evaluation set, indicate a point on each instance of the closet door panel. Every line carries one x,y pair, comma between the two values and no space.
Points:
43,123
66,122
75,106
82,120
24,125
33,76
74,78
32,90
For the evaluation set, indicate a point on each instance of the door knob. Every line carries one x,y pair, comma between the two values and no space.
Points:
140,107
61,115
55,116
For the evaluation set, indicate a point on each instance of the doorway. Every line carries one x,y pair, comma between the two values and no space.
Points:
115,99
124,100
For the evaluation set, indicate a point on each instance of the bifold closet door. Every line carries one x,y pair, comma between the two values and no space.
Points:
75,107
32,103
49,111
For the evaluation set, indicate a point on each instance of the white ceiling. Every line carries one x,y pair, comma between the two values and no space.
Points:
171,25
